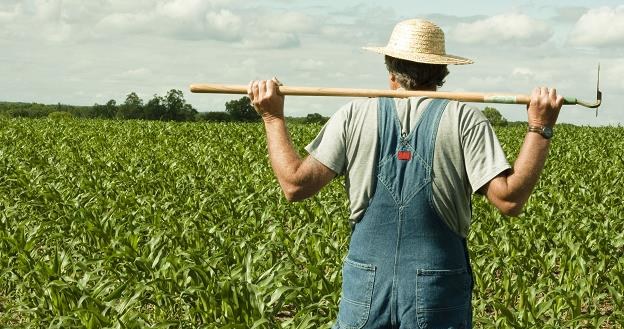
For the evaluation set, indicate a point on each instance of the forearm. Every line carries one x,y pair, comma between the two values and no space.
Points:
298,178
526,169
284,159
509,192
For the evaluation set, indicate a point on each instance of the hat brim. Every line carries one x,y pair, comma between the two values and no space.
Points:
420,57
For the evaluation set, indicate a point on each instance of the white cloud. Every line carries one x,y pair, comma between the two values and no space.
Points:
535,75
523,73
601,27
223,25
182,9
289,22
136,73
307,64
8,13
125,23
501,29
268,40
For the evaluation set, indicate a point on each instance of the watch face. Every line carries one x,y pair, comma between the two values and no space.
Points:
547,132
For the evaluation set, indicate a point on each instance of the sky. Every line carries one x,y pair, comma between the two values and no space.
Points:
85,52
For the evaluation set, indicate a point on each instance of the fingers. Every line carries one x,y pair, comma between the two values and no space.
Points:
544,106
552,94
266,98
271,87
556,101
250,90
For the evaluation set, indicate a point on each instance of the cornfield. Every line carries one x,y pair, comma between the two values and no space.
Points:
129,224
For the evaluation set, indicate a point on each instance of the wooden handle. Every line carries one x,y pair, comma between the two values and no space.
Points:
350,92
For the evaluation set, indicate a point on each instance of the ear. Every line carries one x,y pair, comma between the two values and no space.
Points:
392,81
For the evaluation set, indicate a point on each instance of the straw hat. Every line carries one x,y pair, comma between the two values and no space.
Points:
418,40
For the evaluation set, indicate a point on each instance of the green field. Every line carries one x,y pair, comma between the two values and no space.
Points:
130,224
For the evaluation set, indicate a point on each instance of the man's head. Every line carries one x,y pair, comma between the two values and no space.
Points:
416,76
416,54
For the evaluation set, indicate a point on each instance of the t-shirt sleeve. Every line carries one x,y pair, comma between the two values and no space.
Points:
329,146
484,157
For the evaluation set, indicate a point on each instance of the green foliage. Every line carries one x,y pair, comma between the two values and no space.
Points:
184,225
171,107
315,118
215,116
132,108
105,111
60,115
35,110
241,110
495,118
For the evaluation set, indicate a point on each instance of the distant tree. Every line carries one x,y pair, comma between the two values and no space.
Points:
241,110
105,111
315,118
176,107
154,109
495,118
132,108
215,116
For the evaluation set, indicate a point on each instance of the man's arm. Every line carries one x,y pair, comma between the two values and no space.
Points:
510,191
298,178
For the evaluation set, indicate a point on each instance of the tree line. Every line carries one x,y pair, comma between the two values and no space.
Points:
170,107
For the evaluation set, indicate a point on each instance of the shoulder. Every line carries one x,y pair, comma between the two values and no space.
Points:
359,104
355,110
463,116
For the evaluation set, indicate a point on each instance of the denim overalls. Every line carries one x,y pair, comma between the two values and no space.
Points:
405,267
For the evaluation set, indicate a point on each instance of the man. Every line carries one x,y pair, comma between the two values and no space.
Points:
410,183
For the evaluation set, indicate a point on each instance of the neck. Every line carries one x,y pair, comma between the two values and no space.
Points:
421,88
431,88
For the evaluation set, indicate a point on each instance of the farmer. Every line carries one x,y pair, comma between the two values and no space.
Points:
411,166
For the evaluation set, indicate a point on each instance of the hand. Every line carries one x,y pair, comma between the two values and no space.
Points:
544,107
266,98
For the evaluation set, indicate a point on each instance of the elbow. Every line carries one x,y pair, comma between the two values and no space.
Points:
294,193
511,209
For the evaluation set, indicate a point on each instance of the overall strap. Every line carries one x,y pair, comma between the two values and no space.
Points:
423,137
420,138
389,130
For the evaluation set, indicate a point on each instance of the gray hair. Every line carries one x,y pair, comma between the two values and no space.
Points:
413,75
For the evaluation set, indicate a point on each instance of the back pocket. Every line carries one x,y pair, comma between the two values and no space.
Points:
357,291
443,298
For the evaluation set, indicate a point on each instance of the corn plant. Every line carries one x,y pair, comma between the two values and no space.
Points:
130,224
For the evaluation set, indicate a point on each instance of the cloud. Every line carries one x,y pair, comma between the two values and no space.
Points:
307,64
601,27
8,13
569,14
523,73
290,21
271,40
182,9
125,23
502,29
74,20
135,73
223,25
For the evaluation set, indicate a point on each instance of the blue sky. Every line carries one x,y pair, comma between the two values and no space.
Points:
86,52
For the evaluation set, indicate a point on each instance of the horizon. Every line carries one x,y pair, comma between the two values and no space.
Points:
86,53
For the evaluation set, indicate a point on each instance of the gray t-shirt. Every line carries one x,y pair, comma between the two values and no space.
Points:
467,154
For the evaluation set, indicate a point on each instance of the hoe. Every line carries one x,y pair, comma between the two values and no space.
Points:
500,98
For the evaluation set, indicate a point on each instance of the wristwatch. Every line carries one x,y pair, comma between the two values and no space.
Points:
546,132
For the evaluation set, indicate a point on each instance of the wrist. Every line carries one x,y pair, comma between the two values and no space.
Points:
545,131
272,119
541,123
